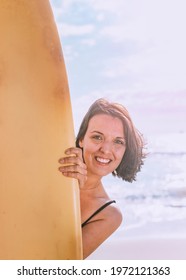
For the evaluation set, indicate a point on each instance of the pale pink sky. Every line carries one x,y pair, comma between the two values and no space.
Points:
132,52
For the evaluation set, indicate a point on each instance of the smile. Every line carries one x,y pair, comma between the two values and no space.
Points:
103,160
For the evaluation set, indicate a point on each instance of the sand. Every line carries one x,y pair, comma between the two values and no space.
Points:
140,249
162,240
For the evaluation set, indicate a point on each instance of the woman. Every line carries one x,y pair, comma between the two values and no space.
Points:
107,142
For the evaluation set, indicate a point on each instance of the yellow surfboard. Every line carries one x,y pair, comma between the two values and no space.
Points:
39,208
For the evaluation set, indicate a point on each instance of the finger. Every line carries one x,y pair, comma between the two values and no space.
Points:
74,150
81,178
73,168
72,160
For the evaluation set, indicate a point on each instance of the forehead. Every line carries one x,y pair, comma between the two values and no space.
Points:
106,124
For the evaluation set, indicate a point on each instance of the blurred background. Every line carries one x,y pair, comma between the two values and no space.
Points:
133,52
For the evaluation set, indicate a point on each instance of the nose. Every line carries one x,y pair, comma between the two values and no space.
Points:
106,147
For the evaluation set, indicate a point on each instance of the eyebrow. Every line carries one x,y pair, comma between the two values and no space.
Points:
95,131
117,137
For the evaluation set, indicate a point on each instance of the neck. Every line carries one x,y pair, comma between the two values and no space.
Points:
92,183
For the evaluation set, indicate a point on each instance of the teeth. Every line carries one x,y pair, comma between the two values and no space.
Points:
103,160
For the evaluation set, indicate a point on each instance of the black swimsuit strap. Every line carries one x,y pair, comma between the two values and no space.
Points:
97,211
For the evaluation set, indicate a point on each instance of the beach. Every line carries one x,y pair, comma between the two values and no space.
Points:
141,249
155,241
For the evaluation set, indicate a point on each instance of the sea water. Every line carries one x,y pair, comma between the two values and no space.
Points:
156,202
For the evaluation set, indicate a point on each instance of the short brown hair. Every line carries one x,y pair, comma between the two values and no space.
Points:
133,157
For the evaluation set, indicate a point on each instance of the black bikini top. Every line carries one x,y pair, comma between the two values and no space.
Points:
97,211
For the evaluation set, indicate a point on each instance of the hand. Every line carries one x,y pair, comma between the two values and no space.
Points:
74,167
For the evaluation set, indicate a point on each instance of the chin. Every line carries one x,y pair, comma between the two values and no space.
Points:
101,173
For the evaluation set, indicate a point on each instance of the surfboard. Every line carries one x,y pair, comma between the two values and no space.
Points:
39,208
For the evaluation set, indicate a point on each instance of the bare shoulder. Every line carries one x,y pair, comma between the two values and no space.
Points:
110,217
100,228
113,216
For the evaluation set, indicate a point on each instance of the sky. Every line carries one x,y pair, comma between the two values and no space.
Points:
128,51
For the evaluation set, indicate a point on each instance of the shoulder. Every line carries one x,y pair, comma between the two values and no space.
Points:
106,214
113,216
110,217
100,227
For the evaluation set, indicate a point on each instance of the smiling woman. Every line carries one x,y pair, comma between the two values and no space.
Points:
107,142
102,148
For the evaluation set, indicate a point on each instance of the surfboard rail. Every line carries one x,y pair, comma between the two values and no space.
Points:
39,208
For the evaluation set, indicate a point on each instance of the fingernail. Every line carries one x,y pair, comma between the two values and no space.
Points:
61,169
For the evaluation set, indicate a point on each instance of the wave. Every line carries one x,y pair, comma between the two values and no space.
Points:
168,153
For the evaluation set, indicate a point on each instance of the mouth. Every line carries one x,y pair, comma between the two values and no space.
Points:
103,160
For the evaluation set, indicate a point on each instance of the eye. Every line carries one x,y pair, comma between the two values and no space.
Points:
97,137
120,142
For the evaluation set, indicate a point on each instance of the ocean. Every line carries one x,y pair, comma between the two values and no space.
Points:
155,204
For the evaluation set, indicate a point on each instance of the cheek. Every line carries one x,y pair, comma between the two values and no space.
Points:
87,152
90,147
120,154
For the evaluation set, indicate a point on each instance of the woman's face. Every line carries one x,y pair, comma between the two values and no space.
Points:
103,144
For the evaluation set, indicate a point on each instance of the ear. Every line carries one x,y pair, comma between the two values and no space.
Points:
81,143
